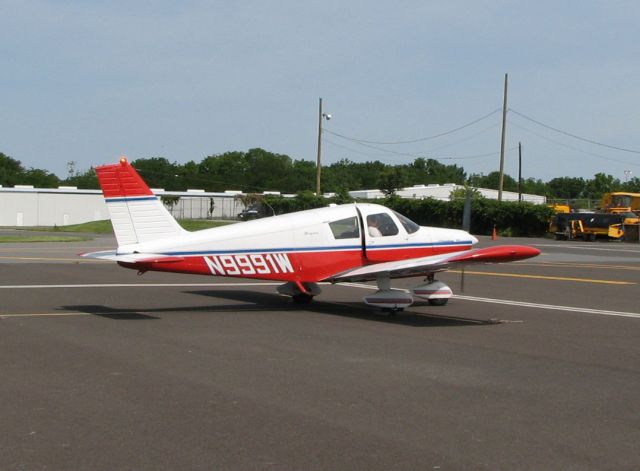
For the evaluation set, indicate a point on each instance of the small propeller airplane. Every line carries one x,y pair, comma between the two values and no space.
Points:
339,243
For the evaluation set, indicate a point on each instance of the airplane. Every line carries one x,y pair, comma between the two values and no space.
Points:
354,242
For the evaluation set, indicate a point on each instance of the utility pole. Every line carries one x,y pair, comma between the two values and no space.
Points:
520,172
504,131
321,116
319,160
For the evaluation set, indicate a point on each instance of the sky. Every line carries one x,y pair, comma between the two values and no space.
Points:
88,81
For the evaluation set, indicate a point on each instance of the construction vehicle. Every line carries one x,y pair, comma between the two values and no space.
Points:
618,219
620,202
560,208
594,225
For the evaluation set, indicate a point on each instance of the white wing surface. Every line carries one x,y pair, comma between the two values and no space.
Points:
426,265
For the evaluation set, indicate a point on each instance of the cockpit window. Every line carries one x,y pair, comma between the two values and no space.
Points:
407,223
345,228
621,201
381,225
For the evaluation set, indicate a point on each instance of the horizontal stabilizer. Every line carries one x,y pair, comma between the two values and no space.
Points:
113,256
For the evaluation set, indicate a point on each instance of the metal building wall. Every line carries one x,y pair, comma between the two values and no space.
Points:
30,207
49,208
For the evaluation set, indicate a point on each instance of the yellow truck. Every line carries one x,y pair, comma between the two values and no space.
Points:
620,202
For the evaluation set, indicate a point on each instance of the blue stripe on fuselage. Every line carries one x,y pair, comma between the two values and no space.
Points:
322,249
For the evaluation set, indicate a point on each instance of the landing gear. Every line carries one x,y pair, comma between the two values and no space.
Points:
301,293
388,299
434,291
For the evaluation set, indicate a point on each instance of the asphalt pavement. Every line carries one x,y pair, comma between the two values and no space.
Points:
533,365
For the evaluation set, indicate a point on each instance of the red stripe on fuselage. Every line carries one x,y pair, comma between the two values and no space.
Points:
285,266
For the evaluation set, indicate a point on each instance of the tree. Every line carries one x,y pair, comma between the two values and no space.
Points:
567,187
224,172
266,170
391,180
40,178
492,181
341,175
534,186
301,177
11,171
600,185
87,180
158,172
632,185
432,171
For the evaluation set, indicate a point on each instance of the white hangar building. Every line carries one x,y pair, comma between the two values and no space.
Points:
443,193
24,205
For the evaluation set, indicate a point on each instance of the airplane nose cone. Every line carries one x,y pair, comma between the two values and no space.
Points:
474,240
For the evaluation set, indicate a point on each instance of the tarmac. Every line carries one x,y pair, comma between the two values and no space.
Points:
533,365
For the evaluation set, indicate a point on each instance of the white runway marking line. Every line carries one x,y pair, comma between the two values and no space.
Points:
355,285
139,285
549,306
526,304
46,314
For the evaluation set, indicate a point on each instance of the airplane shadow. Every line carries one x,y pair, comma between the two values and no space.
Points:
355,310
254,301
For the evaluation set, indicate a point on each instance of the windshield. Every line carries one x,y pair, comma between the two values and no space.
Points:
621,201
407,223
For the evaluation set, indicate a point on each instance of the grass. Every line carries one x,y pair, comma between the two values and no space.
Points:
105,227
43,238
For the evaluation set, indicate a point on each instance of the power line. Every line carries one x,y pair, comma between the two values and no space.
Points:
421,139
465,157
460,141
366,154
590,141
571,147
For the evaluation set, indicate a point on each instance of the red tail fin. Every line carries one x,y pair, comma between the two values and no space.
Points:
120,180
137,215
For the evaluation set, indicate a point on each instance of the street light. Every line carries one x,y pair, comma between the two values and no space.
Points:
321,116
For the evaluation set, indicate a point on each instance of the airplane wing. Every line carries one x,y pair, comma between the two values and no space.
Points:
435,263
113,256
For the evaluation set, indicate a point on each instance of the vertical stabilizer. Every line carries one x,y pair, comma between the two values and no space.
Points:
137,215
